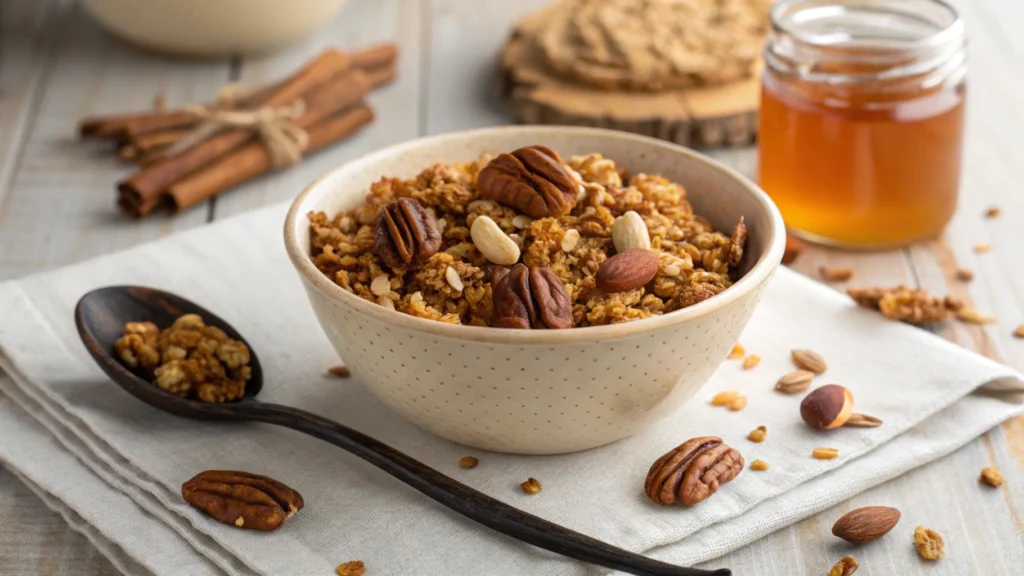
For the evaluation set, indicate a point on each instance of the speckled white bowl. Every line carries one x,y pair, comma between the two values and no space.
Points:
539,391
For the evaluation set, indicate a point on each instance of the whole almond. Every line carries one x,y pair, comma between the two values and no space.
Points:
866,524
794,382
629,231
627,271
809,360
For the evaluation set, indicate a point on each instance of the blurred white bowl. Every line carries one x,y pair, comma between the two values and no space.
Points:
212,27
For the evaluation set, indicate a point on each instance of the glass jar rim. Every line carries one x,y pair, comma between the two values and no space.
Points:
949,33
807,33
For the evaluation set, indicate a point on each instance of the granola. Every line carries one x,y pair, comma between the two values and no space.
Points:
906,304
456,284
189,358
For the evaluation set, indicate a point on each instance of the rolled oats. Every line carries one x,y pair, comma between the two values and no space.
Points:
758,434
758,465
381,285
452,276
695,262
737,352
531,486
992,477
570,240
751,361
467,462
521,221
825,453
929,544
982,247
353,568
724,398
339,371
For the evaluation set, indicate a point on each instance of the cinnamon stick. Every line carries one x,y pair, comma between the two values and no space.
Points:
124,126
381,75
376,56
253,159
340,92
144,188
147,142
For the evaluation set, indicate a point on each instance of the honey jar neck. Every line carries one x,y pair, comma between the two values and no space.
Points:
867,45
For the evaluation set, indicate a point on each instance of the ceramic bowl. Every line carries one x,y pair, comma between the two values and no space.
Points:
539,391
209,28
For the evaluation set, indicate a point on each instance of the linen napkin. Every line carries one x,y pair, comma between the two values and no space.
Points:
114,466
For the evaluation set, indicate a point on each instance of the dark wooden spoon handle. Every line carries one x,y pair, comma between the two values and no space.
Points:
470,503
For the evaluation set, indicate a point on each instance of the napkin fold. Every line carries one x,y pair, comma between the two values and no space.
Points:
113,466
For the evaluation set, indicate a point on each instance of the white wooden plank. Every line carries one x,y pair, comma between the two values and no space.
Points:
60,206
396,105
25,29
463,56
979,524
34,540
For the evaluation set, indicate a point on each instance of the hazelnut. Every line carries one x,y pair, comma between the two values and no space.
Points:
827,407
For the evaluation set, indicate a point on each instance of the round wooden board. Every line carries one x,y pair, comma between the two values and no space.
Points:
705,117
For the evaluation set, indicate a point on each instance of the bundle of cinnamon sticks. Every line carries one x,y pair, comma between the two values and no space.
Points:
331,87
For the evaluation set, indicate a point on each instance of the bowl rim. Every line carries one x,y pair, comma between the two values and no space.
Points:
759,273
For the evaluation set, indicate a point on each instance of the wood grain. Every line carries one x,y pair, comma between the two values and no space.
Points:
397,104
447,82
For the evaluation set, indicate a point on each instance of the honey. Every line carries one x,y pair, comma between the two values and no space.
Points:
862,119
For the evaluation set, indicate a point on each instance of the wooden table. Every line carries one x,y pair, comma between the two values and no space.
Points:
57,207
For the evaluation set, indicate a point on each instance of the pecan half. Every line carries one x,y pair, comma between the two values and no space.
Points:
532,180
692,471
526,297
406,234
242,499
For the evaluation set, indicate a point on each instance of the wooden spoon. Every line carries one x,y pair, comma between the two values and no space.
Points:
101,316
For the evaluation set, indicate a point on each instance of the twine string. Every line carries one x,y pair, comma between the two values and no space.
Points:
284,140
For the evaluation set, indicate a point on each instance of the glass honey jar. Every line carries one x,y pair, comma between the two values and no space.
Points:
862,118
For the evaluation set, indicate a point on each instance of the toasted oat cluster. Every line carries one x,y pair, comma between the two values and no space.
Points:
189,359
469,243
906,304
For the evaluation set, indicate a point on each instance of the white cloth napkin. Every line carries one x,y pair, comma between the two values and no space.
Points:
113,466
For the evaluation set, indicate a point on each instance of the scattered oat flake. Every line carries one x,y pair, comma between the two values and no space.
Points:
468,462
758,434
964,274
751,361
353,568
1019,331
339,371
929,543
992,212
992,477
738,403
531,486
835,274
759,465
982,247
240,522
724,398
845,567
825,453
972,316
737,352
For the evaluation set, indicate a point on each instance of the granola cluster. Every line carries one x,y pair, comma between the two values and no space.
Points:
455,284
189,359
907,304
